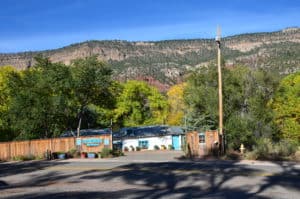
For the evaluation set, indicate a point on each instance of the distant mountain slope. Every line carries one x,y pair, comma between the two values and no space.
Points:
163,63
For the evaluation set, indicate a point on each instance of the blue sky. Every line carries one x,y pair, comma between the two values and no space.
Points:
28,25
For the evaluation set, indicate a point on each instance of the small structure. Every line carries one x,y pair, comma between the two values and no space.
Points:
203,143
192,144
149,138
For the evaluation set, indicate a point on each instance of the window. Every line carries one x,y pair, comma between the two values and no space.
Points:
144,144
201,138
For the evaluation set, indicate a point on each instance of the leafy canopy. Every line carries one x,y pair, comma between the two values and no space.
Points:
286,106
140,104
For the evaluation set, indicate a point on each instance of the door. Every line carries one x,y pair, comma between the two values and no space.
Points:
175,142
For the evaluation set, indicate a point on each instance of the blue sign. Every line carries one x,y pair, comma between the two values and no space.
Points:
106,141
92,141
78,141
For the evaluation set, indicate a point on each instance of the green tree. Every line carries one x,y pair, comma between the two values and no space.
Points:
40,100
92,85
245,96
201,99
286,106
140,104
5,99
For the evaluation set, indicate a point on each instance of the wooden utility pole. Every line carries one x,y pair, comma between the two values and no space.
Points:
221,133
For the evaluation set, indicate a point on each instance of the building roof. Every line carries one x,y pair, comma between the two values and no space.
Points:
147,131
86,132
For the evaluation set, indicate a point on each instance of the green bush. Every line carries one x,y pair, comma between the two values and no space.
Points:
297,156
286,148
265,149
156,147
24,157
170,147
117,153
73,153
137,148
108,153
105,153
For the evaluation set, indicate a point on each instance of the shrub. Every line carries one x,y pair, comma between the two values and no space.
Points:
170,147
73,153
105,153
24,157
39,157
163,147
265,149
297,155
126,148
117,153
137,148
156,147
232,155
108,153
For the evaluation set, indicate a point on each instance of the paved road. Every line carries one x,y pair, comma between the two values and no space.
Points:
154,174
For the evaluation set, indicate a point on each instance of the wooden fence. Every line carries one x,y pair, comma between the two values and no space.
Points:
9,150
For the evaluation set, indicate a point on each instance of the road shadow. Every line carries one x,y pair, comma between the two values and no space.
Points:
201,179
14,168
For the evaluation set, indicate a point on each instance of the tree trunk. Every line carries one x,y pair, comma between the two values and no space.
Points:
78,127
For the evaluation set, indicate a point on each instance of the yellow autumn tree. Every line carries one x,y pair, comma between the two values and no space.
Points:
176,104
286,106
4,93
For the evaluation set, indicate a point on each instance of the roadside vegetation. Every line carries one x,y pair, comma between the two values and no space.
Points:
261,107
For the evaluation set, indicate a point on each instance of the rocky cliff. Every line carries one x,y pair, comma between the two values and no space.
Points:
166,61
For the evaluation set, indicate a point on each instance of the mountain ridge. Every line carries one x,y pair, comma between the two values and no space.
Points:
167,61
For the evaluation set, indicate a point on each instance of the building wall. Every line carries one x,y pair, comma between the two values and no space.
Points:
164,140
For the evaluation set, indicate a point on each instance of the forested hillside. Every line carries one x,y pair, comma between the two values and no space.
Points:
164,63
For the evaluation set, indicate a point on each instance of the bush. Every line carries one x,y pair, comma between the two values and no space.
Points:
156,147
285,148
105,153
163,147
73,153
117,153
108,153
170,147
126,148
297,156
252,155
137,148
265,149
232,155
24,157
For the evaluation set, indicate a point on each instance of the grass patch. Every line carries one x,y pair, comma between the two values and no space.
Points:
24,158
